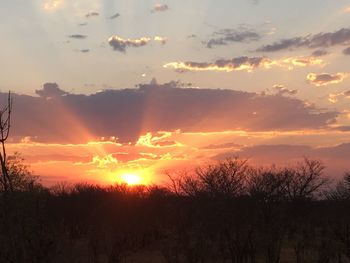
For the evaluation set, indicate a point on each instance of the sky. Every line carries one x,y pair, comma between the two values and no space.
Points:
107,88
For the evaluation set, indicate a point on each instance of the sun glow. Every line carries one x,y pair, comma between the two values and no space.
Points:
131,179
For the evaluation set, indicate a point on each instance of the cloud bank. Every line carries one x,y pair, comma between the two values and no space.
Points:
58,116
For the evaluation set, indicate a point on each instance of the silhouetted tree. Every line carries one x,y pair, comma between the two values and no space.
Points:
5,125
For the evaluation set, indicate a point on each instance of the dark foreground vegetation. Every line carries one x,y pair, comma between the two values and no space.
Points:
229,212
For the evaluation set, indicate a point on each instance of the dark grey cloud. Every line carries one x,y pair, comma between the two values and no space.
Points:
120,44
92,14
320,40
324,79
114,16
319,53
128,113
226,36
50,90
346,51
78,36
84,50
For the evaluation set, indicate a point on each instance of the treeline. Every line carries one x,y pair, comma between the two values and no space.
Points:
228,212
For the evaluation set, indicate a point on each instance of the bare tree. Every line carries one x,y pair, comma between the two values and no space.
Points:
305,180
5,125
224,179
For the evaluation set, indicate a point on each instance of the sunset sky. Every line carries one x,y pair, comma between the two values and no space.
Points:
105,89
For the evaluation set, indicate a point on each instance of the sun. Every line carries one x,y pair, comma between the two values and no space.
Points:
131,179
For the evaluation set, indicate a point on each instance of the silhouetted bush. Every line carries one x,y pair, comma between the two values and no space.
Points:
229,212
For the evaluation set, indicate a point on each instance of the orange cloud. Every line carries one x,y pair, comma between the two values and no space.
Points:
158,140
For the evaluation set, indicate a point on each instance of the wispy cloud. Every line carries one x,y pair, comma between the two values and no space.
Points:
114,16
320,40
92,14
324,79
244,63
225,36
78,36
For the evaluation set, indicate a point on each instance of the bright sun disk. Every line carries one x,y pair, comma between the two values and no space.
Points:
131,179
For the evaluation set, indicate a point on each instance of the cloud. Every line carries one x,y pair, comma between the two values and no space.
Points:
161,40
51,5
319,53
324,79
85,50
114,16
226,36
120,44
92,14
158,140
334,97
50,90
78,36
229,145
243,63
281,90
160,8
346,51
320,40
128,113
